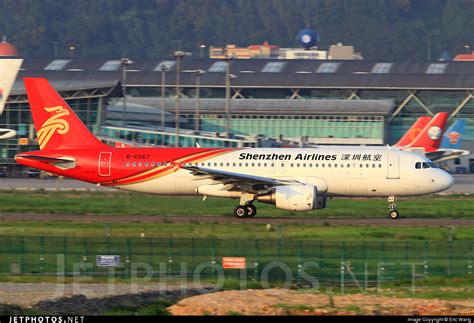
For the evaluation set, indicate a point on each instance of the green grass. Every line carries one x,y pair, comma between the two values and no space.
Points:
123,203
233,231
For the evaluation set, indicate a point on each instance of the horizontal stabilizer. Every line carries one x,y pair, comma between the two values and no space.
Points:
61,162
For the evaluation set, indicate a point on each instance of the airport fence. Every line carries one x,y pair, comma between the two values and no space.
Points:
302,261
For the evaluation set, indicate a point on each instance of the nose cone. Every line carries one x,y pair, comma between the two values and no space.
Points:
445,180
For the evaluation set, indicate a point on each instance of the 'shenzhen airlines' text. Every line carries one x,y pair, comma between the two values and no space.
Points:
249,156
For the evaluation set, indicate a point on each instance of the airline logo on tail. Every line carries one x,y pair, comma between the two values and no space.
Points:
435,132
453,137
53,125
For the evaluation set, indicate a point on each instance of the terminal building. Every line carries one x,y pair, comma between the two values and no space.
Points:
270,102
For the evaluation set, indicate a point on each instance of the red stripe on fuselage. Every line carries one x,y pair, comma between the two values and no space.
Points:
154,173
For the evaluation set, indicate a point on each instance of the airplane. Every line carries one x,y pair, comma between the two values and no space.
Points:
451,144
8,71
413,132
295,179
7,133
425,135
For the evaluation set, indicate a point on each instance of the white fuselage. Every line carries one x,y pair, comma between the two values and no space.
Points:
334,170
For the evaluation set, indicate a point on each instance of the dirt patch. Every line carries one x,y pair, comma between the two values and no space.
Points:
291,302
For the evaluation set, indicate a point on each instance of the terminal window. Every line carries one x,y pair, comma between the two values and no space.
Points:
381,68
110,66
327,68
273,67
436,68
57,64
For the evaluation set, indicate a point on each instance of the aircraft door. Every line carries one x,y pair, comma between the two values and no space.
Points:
104,163
393,170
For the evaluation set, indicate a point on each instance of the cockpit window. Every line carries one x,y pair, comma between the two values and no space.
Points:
433,165
420,165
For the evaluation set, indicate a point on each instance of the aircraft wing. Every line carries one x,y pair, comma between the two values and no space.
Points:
239,180
446,154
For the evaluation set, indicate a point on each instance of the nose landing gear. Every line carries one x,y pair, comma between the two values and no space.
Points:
393,214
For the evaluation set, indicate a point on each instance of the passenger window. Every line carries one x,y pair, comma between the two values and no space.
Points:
134,164
348,165
316,165
335,165
380,165
127,164
342,165
246,164
233,164
140,164
259,164
146,164
253,164
329,165
152,164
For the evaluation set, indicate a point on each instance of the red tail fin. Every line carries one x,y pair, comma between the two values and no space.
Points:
57,126
432,134
413,132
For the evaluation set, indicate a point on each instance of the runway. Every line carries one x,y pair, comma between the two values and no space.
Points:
424,222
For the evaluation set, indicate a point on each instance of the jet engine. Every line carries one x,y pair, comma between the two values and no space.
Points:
294,198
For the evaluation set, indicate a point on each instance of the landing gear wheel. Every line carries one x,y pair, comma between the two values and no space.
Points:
251,211
392,204
393,214
240,211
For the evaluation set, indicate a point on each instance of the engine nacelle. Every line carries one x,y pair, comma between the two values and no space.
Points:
293,197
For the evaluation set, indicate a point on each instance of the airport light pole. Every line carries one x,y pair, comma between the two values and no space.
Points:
71,50
201,50
198,74
178,56
228,77
124,61
163,69
468,49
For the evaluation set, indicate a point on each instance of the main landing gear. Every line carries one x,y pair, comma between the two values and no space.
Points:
393,214
246,209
